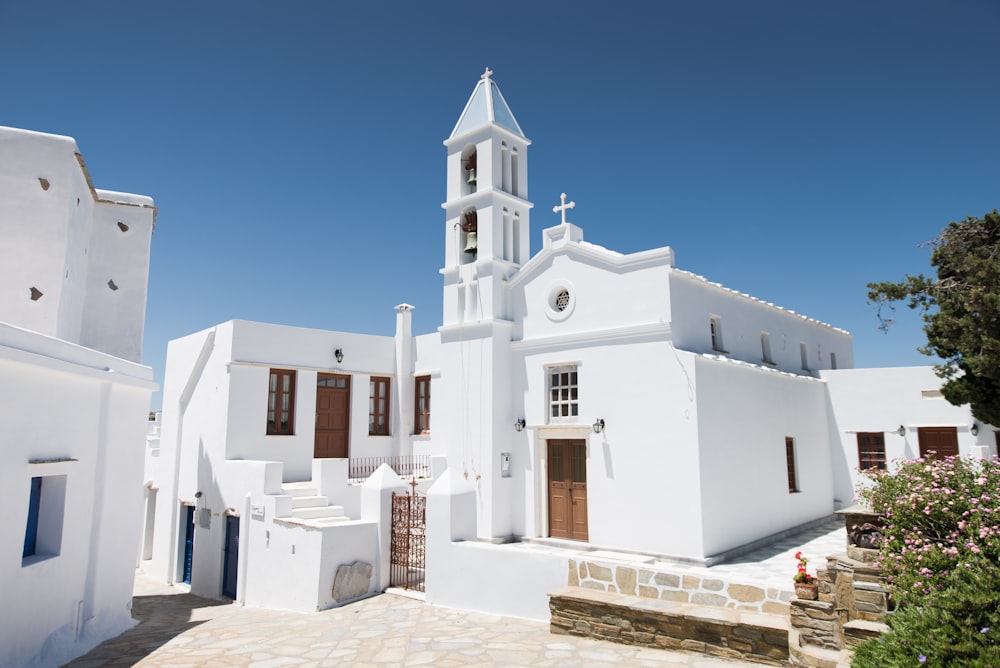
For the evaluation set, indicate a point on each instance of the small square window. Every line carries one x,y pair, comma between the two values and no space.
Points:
871,451
563,394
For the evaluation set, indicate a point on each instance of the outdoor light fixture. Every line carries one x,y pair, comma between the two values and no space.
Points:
974,429
519,425
599,426
339,354
901,431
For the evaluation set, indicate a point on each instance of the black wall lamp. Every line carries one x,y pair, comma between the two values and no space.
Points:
599,426
519,425
339,354
901,431
974,429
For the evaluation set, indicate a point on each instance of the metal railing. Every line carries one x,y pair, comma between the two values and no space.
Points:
405,466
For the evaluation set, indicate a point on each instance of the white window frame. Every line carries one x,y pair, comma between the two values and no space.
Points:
570,390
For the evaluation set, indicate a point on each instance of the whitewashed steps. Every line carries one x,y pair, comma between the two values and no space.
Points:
310,508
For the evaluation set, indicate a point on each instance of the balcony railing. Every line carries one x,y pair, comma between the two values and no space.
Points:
405,466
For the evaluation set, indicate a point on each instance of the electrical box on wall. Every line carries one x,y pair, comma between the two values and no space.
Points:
504,464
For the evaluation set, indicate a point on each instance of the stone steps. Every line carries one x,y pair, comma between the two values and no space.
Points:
309,507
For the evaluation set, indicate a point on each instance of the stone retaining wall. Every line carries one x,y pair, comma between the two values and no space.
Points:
677,586
635,620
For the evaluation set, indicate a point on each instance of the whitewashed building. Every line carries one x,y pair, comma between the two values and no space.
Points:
577,397
74,398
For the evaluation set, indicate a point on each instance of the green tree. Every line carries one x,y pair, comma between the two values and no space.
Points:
961,311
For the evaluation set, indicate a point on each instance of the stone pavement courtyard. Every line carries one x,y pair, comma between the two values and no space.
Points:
178,630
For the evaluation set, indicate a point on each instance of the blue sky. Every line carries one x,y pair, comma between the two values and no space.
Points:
791,150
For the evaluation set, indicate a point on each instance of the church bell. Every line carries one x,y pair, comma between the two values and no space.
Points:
471,243
472,176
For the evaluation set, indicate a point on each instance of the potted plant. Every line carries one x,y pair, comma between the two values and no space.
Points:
806,586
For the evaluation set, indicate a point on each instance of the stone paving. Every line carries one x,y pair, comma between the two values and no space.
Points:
178,630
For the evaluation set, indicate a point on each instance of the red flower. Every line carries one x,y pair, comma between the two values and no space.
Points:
798,555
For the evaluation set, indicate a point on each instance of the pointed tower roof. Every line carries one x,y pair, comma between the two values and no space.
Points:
485,106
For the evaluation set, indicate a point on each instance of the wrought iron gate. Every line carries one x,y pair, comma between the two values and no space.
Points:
409,540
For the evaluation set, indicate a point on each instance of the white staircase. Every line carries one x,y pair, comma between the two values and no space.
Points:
309,508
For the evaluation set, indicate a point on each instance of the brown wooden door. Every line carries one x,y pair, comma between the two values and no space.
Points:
568,489
941,440
333,403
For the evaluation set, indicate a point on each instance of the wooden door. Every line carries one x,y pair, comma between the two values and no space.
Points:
942,440
568,489
333,404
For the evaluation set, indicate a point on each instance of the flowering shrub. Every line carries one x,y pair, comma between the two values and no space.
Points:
938,515
803,576
940,558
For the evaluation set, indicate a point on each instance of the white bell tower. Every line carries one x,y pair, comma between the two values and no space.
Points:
487,210
486,242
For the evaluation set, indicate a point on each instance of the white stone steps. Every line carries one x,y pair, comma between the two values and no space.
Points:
316,512
310,501
299,489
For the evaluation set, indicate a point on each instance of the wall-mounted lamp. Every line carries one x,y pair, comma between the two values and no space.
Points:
599,426
339,354
197,495
974,429
519,425
901,431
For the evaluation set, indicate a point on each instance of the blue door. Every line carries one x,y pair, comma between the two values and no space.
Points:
188,542
230,556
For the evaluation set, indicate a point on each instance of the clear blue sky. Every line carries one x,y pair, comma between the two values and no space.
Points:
791,150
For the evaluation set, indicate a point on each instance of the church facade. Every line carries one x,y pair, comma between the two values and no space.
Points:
590,398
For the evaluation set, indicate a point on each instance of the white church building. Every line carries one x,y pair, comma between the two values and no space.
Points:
74,399
578,398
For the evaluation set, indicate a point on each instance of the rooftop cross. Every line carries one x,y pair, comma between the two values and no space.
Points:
487,74
562,207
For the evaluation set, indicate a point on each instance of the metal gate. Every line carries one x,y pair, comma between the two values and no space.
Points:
409,540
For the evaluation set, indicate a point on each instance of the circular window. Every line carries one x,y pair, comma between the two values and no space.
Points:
561,301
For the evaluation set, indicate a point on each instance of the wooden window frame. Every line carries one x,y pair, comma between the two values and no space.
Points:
422,414
563,397
871,455
793,484
377,413
274,393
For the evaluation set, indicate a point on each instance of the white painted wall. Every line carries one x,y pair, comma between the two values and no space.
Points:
63,240
74,402
88,411
882,400
694,300
744,414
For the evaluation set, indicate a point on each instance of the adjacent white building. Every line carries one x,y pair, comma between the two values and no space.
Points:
74,399
577,397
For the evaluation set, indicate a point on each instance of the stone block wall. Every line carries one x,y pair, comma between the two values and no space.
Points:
677,586
634,620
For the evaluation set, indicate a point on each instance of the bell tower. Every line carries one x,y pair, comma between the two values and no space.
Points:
486,210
